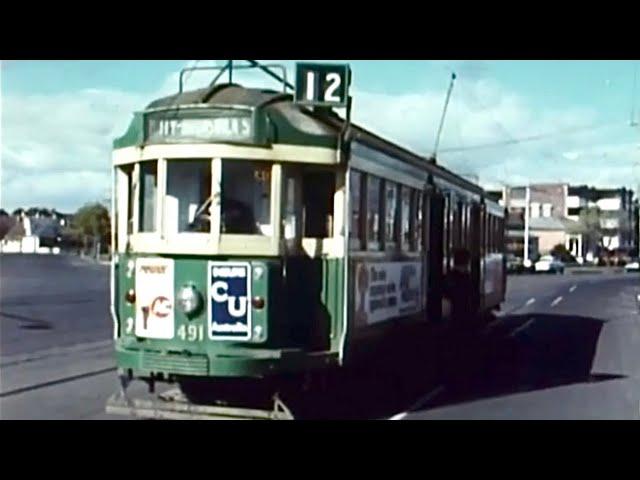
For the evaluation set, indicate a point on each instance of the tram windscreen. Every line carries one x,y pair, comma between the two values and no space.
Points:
246,198
188,187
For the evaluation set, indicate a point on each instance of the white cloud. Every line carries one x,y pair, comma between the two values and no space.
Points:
56,149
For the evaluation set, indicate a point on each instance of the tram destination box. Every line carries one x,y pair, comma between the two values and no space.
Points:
203,126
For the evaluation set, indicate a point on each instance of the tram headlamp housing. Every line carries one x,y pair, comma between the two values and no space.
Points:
189,299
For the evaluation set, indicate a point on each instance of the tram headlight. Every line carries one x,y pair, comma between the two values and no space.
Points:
189,299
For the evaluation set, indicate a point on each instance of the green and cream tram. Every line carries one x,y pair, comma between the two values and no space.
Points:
251,241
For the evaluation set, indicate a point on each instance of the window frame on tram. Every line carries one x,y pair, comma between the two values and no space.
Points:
398,232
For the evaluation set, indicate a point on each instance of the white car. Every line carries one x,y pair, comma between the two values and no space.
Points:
633,266
549,264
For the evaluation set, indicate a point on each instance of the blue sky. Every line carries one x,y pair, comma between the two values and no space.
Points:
59,117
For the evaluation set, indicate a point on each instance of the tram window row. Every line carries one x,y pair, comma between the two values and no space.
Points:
385,215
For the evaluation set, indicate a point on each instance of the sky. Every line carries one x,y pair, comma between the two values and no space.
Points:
508,122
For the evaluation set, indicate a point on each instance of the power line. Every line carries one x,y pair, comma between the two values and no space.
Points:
532,138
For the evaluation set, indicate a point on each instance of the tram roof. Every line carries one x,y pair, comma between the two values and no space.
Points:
301,124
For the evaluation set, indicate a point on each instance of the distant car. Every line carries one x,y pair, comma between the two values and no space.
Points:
514,264
549,264
633,265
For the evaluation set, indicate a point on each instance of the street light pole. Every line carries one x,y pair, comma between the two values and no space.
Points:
526,225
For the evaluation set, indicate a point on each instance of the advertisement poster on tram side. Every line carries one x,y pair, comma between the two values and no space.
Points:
387,290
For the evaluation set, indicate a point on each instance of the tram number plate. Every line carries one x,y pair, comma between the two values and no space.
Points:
322,85
191,333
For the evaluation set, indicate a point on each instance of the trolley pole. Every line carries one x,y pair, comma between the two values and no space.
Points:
444,113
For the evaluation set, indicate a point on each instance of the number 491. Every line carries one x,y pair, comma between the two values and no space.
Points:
191,333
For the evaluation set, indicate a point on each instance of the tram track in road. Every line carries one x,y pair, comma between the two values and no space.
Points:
51,383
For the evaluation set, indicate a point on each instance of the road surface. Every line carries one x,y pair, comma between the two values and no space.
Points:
565,347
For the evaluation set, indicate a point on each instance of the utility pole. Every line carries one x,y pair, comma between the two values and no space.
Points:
526,225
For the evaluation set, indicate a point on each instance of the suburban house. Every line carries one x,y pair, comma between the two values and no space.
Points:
557,216
32,231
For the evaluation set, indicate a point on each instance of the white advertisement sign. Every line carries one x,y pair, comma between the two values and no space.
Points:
154,298
387,290
492,274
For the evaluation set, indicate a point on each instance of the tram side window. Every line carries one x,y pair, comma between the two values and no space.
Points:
416,222
485,233
391,209
445,234
492,236
188,192
373,211
246,198
355,201
125,191
405,225
423,222
148,196
452,230
465,224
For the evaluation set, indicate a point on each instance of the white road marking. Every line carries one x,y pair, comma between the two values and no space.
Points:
420,403
531,301
556,301
522,328
572,289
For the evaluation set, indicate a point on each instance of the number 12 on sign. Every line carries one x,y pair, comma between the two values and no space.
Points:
322,85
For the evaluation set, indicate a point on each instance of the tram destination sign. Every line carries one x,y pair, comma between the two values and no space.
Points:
223,126
322,85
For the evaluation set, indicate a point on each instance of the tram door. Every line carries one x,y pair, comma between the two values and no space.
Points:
475,241
436,252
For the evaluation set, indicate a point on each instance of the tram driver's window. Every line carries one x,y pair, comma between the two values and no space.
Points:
188,192
246,198
318,188
148,196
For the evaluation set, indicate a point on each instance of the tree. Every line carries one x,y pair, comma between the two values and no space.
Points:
91,224
589,227
561,252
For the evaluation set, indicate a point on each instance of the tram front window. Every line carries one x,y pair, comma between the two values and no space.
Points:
148,196
188,187
246,198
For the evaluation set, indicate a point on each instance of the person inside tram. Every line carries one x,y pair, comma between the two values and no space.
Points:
236,218
459,292
458,289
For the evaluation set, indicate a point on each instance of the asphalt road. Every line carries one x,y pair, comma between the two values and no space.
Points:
565,347
51,301
568,347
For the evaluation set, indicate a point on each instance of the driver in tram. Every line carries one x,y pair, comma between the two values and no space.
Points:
237,218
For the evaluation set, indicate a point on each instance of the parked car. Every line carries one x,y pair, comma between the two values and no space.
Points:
549,264
633,265
514,264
